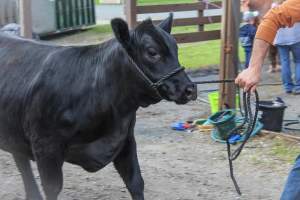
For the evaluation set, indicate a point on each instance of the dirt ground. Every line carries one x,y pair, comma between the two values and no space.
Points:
176,165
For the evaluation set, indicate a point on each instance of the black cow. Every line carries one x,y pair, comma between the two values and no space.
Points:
78,103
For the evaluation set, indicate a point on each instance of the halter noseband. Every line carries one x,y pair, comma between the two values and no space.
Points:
157,84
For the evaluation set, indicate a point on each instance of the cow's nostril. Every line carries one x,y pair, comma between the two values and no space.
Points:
189,90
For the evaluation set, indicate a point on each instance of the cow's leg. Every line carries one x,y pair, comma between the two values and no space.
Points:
31,188
49,157
128,167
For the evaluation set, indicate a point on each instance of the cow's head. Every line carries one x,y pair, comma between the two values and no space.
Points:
155,52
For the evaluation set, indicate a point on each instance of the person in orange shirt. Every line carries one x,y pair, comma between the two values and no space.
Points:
285,15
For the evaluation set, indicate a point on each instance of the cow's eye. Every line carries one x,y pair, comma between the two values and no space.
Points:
153,53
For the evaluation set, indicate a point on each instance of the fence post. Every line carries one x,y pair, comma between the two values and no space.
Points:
26,18
200,15
131,12
229,52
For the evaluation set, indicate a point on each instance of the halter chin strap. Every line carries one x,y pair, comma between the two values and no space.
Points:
157,84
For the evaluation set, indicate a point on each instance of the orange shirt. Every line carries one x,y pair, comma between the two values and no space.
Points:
284,15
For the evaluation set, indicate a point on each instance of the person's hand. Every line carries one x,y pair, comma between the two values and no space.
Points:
248,79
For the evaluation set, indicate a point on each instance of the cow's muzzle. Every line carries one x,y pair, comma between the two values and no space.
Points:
191,92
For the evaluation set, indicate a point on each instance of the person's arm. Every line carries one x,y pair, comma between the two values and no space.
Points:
284,15
249,78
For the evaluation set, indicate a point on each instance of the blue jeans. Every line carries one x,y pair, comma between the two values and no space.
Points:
292,187
248,52
286,74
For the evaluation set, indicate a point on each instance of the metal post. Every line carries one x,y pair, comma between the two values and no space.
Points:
26,18
131,12
229,52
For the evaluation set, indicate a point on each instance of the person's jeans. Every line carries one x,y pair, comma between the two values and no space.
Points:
292,187
286,73
248,52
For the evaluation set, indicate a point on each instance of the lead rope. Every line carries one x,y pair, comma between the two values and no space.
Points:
248,119
251,120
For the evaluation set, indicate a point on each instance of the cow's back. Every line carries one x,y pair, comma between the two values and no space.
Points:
22,56
21,63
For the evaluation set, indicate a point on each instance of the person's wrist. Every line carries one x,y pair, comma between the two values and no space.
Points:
255,67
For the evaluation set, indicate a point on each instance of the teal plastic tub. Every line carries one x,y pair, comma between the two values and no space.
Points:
224,123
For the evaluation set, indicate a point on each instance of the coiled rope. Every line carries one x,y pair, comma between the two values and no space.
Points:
245,128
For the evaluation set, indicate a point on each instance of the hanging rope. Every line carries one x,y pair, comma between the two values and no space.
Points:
249,119
245,128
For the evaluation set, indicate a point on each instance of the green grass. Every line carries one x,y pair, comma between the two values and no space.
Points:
97,2
188,29
156,2
191,55
195,55
159,2
101,29
200,54
285,150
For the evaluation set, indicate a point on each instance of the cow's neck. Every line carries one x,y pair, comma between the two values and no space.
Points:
127,90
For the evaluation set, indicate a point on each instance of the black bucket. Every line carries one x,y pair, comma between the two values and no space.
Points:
272,114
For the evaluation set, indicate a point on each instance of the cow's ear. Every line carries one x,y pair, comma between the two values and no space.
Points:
166,24
121,31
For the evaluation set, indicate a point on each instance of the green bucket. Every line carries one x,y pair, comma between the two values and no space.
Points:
214,101
224,123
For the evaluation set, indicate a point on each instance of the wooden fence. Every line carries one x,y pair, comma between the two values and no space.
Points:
132,11
8,12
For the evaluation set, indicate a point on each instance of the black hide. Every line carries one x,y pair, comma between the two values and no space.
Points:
78,103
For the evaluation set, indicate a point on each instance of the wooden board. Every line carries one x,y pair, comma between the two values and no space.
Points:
193,21
197,36
177,7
